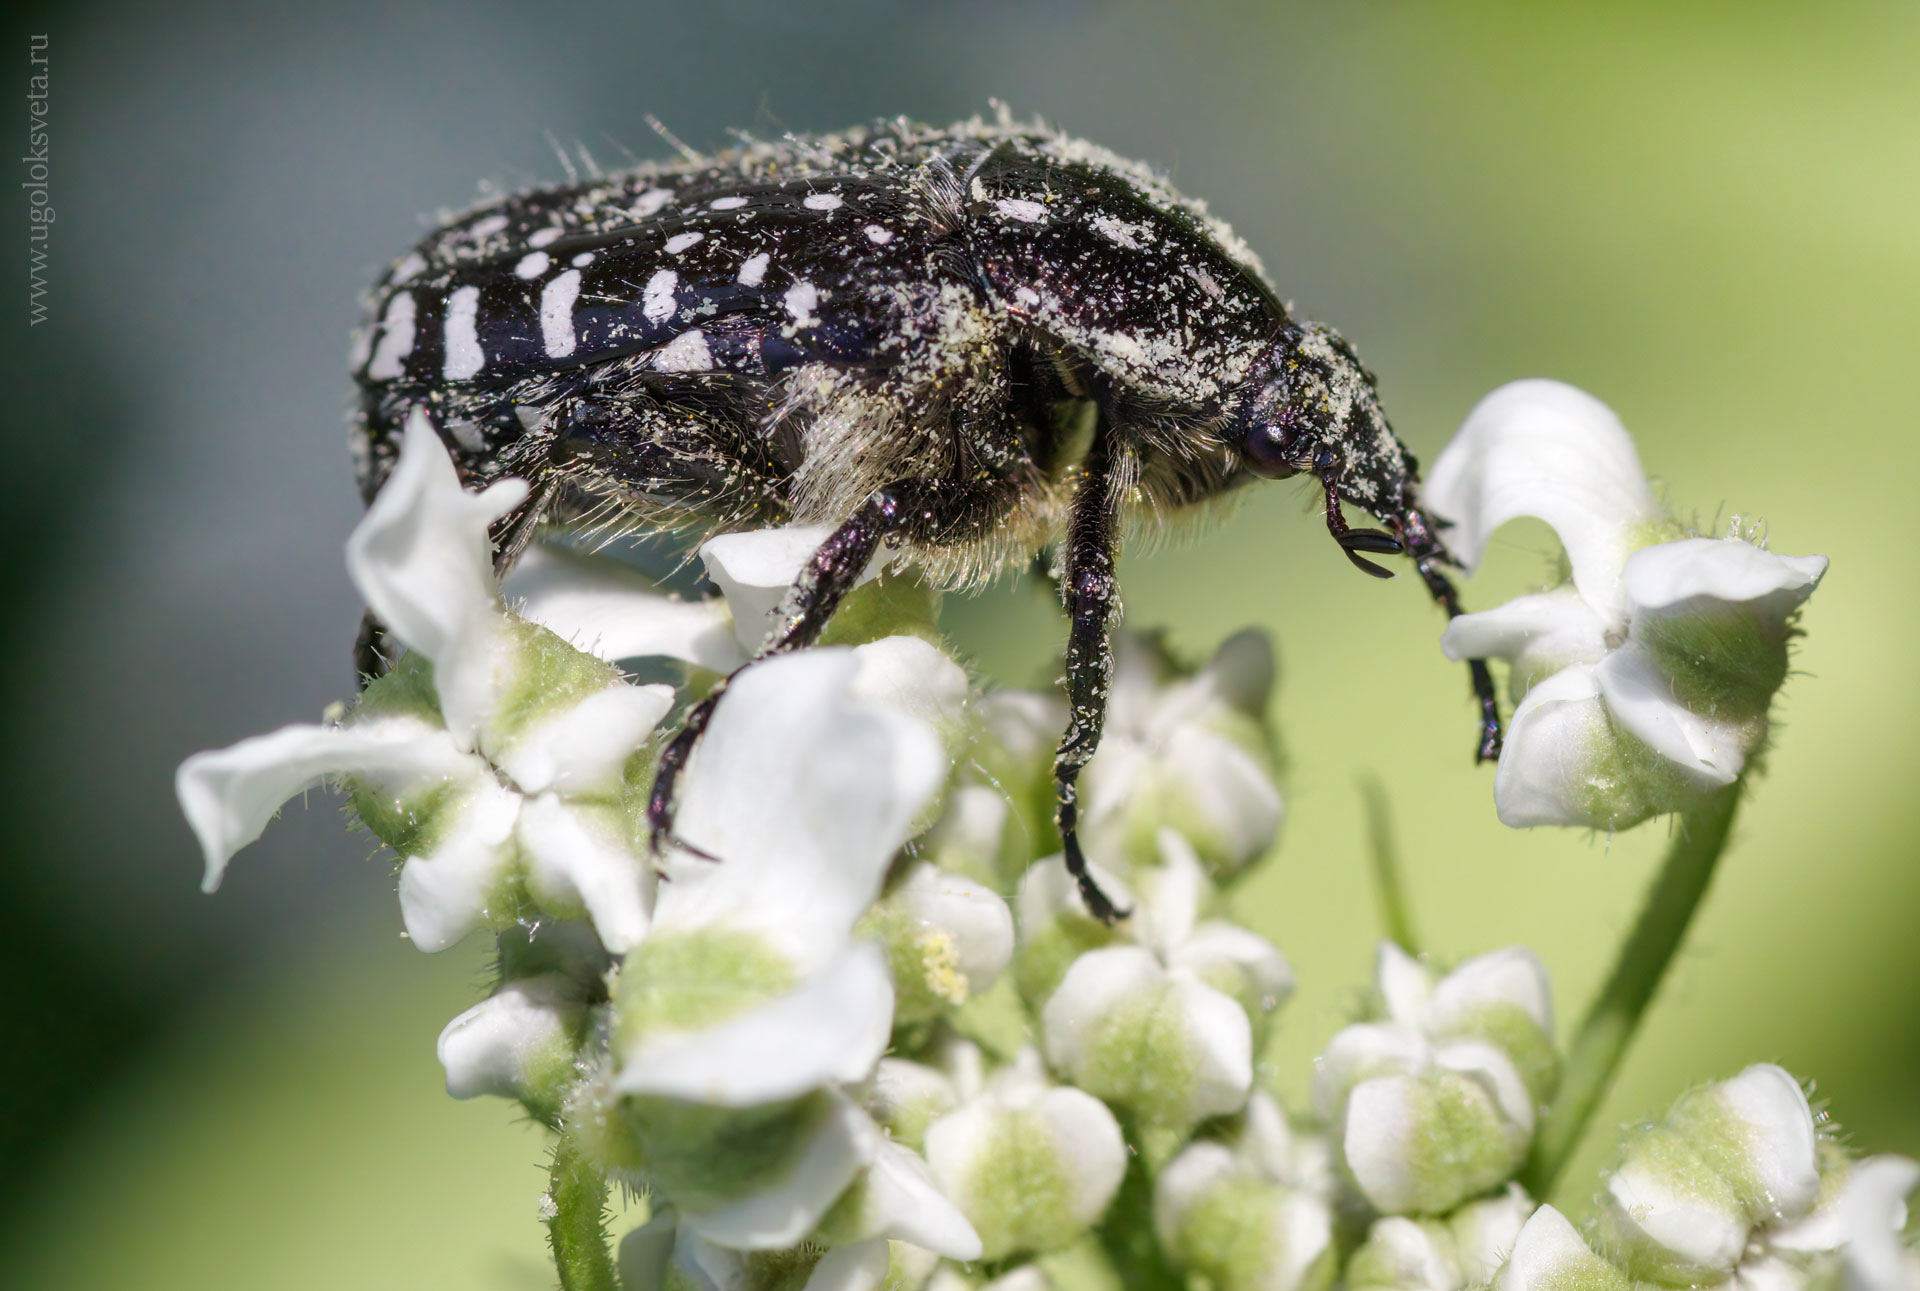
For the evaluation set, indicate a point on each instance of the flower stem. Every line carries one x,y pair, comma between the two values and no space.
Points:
576,1224
1387,880
1610,1025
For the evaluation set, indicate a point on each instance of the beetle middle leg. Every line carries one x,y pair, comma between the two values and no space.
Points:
931,511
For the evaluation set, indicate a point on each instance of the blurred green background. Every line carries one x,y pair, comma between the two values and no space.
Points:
1705,214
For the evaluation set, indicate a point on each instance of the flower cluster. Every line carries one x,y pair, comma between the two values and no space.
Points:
855,1024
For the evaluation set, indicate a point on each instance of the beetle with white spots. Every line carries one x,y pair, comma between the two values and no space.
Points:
967,346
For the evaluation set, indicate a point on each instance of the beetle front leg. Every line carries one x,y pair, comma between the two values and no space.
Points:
1092,597
929,511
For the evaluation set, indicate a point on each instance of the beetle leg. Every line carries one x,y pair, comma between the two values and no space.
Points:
1354,541
929,511
1091,594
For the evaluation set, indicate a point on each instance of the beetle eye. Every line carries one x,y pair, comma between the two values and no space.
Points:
1271,451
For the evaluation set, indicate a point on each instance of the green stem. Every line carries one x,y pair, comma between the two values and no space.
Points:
577,1226
1610,1025
1387,880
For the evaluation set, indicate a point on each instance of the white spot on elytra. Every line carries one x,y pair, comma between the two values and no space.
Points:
727,203
681,241
657,302
1026,296
802,299
1019,208
582,260
487,228
821,202
1207,284
878,235
411,265
463,340
753,269
544,237
649,202
556,314
396,338
532,266
686,352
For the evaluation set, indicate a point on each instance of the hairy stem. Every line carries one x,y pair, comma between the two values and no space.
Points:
1649,949
576,1221
1387,880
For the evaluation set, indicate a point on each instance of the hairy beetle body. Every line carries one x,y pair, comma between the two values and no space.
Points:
969,343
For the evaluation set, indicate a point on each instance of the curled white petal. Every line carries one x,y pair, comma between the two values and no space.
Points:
904,1203
615,612
1640,699
1545,449
1782,1163
1183,1181
832,1028
1671,574
228,795
754,571
1538,634
804,792
786,1210
859,1267
578,857
1047,892
421,557
1703,1228
912,677
445,895
1217,944
1079,1132
1170,896
1490,1065
584,748
489,1048
1555,739
1360,1052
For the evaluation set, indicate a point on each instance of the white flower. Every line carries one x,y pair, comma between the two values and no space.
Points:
1031,1165
1190,752
1643,681
748,995
1438,1103
1251,1213
508,771
518,1043
1464,1249
1165,1028
1721,1186
1549,1255
1873,1210
948,939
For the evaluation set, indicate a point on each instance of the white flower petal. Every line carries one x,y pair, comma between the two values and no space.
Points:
754,571
1668,575
860,1267
584,749
1170,896
445,895
833,1027
804,793
615,612
1549,1256
1780,1170
1407,1256
913,677
1183,1181
1242,670
974,918
1491,1065
1405,984
1513,976
229,795
1217,944
1484,1233
1538,634
1358,1053
421,557
580,857
1640,698
904,1203
1267,1141
1873,1210
492,1047
1047,892
1556,739
1700,1228
1424,1143
781,1214
644,1252
1545,449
